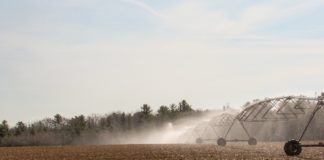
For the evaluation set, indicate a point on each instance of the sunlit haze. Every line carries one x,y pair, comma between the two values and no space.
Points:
97,56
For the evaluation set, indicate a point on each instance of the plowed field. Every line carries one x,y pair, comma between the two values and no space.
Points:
156,151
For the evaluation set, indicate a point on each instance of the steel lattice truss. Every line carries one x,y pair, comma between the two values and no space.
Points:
277,109
201,128
267,110
224,119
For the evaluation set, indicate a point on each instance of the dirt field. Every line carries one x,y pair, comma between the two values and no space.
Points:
172,151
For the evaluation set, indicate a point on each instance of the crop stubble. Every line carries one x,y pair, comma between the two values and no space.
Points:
155,151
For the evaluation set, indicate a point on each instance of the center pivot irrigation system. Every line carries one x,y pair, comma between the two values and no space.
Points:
271,110
226,120
294,147
278,109
222,120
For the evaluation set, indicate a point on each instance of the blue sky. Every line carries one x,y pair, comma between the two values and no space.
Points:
82,57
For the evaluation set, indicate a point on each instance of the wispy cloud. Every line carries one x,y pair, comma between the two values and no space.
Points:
194,17
144,6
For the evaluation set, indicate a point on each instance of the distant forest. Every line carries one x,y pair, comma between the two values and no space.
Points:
86,129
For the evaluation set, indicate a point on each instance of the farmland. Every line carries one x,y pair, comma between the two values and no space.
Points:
155,151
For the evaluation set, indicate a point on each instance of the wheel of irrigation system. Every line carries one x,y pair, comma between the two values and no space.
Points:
252,141
221,142
199,141
293,148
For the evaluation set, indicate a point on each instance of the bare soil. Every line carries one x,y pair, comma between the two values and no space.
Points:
156,151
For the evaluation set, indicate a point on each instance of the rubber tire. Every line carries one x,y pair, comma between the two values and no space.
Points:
221,142
252,141
199,141
292,148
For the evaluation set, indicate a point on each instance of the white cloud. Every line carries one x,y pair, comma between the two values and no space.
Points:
195,17
144,6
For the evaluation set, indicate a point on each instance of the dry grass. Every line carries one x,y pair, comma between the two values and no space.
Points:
171,151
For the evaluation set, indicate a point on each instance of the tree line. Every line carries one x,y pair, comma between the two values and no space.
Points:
63,131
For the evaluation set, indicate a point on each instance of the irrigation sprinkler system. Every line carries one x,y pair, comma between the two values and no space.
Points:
294,147
222,120
200,130
278,109
272,109
223,141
